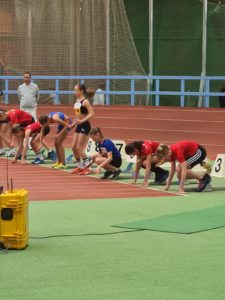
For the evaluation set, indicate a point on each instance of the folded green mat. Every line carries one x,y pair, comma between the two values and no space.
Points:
188,222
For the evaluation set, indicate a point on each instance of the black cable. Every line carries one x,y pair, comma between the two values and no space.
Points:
4,250
7,171
84,234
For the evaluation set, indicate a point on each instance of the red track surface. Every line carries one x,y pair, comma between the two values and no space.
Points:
48,184
164,124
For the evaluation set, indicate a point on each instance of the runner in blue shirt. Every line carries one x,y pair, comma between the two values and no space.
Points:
108,158
63,126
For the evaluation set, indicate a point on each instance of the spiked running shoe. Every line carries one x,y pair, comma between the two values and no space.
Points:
203,183
52,155
162,179
11,153
55,165
116,174
38,161
77,170
60,166
2,152
86,172
107,174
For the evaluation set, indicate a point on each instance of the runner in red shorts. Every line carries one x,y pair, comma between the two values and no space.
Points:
24,134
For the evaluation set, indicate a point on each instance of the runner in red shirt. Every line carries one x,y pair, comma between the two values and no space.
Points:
13,118
188,154
16,117
144,150
24,134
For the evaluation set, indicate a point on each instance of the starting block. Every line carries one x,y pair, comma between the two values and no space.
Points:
14,219
218,169
201,169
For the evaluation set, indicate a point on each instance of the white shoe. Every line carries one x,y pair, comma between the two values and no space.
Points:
11,153
87,162
2,152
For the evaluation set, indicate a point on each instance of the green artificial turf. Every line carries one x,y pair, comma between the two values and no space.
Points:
135,265
128,265
188,222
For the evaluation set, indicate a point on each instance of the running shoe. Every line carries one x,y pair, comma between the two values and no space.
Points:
107,174
162,179
38,161
70,159
77,170
87,162
11,153
203,183
60,166
116,174
2,152
86,172
55,165
52,155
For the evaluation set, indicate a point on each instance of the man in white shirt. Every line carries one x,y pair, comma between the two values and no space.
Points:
99,99
28,94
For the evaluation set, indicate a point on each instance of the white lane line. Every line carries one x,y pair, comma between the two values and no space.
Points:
165,130
142,187
136,108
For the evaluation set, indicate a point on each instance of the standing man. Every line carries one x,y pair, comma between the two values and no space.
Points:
28,94
99,99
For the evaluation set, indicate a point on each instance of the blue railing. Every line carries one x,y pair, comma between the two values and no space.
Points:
206,81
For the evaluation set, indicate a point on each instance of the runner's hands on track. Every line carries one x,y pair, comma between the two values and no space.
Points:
181,190
97,170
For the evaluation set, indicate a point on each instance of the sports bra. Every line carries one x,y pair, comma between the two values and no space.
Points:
80,109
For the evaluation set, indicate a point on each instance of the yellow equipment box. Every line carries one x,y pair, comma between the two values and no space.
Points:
14,219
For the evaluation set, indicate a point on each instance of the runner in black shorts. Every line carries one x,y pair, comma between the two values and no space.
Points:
84,112
187,154
84,128
108,158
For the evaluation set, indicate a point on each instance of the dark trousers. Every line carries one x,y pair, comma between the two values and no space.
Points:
159,172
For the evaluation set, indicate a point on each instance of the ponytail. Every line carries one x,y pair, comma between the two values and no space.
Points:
88,92
162,151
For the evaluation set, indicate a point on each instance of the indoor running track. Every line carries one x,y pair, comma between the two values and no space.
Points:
48,184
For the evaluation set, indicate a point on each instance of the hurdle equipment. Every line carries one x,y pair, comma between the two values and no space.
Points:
14,219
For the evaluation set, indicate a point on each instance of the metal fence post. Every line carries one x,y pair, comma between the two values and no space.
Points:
107,91
157,87
132,89
57,87
207,89
182,89
6,96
